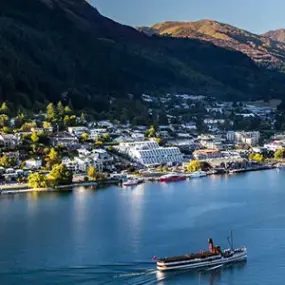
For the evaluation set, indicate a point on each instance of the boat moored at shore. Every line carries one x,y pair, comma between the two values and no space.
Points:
172,177
198,174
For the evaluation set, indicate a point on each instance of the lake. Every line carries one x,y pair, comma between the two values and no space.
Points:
109,236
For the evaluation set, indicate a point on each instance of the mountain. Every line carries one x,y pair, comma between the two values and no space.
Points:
264,50
276,35
66,50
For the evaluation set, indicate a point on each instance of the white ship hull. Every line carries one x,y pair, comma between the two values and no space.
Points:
238,256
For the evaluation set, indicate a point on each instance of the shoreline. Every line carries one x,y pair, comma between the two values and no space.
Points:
25,189
99,184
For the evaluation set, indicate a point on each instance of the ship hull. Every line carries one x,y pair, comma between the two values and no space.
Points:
173,179
190,264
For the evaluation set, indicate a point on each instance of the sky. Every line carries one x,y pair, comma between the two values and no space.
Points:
257,16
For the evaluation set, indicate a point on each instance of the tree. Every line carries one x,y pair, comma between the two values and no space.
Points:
256,157
84,137
26,127
151,132
4,119
7,162
60,175
280,153
194,165
66,120
67,110
34,137
50,113
60,109
46,125
158,140
105,137
4,109
91,172
52,158
82,118
37,180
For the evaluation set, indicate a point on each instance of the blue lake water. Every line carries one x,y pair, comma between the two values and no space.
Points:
110,236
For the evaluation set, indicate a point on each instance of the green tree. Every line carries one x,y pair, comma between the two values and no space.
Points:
280,153
151,132
194,165
66,121
34,137
51,113
7,130
46,125
106,137
60,109
60,175
257,157
19,120
26,127
52,158
158,140
4,119
82,118
4,109
37,180
67,110
7,162
91,172
84,137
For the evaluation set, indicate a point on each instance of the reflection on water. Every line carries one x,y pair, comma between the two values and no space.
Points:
85,236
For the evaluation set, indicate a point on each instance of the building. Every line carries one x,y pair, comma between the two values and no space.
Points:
274,146
65,139
214,154
77,131
150,153
249,138
211,141
103,158
35,163
96,133
206,154
9,140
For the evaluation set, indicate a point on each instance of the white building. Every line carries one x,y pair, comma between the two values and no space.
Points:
275,145
96,133
150,153
34,163
250,138
77,131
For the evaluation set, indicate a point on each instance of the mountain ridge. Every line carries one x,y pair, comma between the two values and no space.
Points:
276,35
263,49
54,47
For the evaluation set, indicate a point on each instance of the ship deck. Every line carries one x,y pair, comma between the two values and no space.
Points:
188,257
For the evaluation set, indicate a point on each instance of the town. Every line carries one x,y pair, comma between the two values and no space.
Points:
194,135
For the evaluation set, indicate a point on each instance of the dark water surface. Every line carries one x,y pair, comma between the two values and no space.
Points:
110,236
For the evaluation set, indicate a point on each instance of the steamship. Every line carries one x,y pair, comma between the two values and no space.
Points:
214,257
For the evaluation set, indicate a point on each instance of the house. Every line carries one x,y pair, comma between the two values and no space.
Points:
77,131
96,133
138,136
9,140
65,139
34,163
83,163
47,131
249,138
102,157
70,164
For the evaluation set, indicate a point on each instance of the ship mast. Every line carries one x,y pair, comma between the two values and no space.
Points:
231,241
